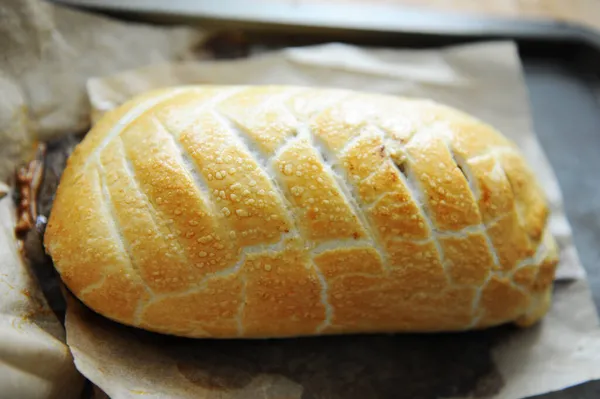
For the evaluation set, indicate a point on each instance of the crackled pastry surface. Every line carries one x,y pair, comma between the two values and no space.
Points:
220,211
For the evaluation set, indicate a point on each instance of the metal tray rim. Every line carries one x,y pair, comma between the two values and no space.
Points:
350,17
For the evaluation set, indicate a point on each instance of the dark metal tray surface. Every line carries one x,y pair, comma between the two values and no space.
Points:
561,64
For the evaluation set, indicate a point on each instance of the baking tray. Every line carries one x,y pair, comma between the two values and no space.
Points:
564,93
561,64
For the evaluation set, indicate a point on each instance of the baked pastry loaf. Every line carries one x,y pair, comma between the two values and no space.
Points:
219,211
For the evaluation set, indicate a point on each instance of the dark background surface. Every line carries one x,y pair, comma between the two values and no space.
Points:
565,102
563,78
564,89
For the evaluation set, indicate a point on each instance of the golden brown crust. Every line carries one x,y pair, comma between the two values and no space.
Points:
275,211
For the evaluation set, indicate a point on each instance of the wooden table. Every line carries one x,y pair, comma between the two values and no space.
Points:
586,12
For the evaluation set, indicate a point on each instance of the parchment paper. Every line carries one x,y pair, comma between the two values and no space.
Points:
46,55
484,80
34,360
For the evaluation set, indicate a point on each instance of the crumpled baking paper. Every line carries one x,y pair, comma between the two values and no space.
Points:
482,79
34,360
46,55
